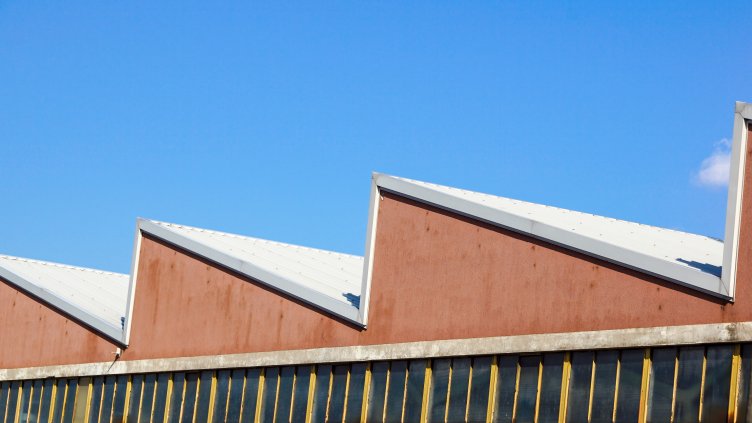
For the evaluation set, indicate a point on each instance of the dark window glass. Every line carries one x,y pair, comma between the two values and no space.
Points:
189,399
220,397
377,391
96,398
458,385
416,378
269,397
661,389
717,383
237,380
78,414
337,400
528,390
147,401
25,399
15,388
580,379
204,395
604,386
395,394
439,387
321,393
550,390
284,400
630,381
506,383
479,386
176,399
300,397
134,404
250,396
355,392
160,397
70,400
57,414
4,389
36,397
744,413
46,402
689,384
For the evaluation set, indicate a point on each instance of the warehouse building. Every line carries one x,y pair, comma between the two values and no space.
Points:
466,307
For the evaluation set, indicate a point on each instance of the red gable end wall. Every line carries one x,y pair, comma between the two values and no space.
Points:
35,335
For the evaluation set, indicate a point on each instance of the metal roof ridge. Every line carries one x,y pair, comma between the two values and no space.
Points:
61,265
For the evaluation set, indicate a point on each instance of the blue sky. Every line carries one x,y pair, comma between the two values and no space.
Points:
267,119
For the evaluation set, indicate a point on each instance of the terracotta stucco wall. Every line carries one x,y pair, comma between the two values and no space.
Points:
35,335
436,276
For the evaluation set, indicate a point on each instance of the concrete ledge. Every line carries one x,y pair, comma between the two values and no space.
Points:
621,338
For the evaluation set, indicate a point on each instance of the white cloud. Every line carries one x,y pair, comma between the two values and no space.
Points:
714,170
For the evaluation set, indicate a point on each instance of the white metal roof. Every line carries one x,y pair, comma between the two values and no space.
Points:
322,278
689,259
94,297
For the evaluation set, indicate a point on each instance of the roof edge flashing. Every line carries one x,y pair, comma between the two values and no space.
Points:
264,276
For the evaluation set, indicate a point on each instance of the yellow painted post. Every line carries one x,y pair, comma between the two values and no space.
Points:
366,393
592,389
492,388
566,373
673,393
538,393
644,387
347,391
168,399
702,382
259,396
127,398
212,397
516,391
88,399
426,392
449,392
329,392
52,401
311,389
469,387
616,387
734,389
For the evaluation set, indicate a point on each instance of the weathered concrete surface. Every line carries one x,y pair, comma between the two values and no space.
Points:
35,335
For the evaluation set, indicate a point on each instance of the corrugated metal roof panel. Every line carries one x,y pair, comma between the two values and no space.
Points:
97,298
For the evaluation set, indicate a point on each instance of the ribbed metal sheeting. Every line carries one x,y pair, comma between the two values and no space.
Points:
669,384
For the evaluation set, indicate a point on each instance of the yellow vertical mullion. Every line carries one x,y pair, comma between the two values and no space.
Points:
646,362
366,392
276,394
426,392
212,397
292,395
259,395
592,389
329,392
127,397
347,391
17,417
616,387
311,391
516,391
492,388
88,399
676,378
735,369
449,391
538,392
168,398
566,373
242,392
702,381
52,401
469,388
404,392
182,397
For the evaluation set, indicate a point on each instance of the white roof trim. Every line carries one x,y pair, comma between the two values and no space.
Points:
742,117
248,268
94,322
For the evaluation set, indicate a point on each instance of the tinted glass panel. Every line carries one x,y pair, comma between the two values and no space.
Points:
36,398
250,395
137,386
479,386
189,398
300,398
550,395
176,399
630,379
78,414
355,392
661,389
416,378
160,397
222,392
395,394
688,384
604,386
717,383
439,388
528,389
321,394
580,379
204,395
25,399
377,391
4,389
337,400
284,400
505,389
60,388
147,401
44,407
271,381
237,380
458,385
15,391
96,399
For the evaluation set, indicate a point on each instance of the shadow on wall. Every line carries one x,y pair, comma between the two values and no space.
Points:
705,267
